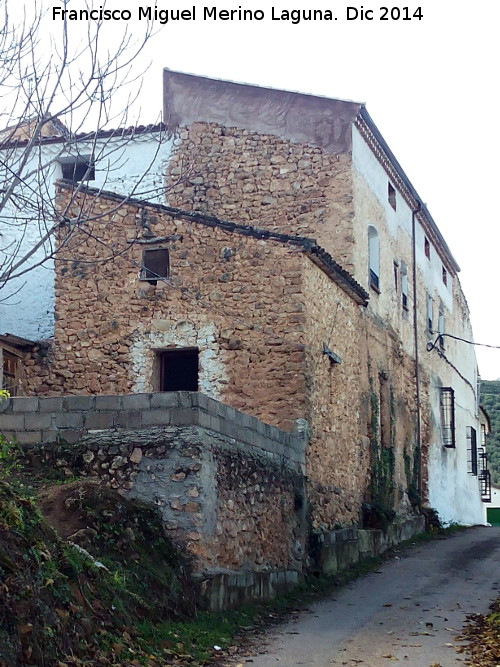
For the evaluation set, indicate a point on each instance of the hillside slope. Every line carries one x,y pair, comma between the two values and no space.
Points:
490,400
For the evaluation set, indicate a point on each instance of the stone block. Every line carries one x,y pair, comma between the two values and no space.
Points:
29,404
108,402
68,420
79,403
158,417
129,419
37,422
136,401
53,404
169,399
99,420
29,437
11,422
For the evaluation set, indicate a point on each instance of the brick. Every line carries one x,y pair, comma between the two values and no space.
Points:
99,420
168,399
129,419
73,420
29,437
136,401
29,404
11,422
158,417
79,403
37,422
51,404
108,402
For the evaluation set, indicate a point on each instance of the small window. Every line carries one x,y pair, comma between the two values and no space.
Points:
448,416
445,276
430,323
441,327
427,248
391,195
472,450
396,272
77,169
404,286
9,374
373,259
155,265
179,369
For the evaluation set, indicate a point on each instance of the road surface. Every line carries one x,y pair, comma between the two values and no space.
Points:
408,611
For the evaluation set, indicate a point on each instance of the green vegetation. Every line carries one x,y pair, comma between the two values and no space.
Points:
490,400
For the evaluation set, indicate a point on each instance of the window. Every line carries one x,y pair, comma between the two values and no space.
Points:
179,369
472,450
430,324
391,196
155,265
396,271
9,372
441,326
448,416
427,247
77,169
373,258
445,276
404,286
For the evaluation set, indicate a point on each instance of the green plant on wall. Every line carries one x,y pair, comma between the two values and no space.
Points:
379,512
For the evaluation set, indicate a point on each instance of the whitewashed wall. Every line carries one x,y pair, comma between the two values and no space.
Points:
452,491
129,166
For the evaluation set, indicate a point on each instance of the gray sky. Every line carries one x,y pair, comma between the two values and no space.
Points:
430,85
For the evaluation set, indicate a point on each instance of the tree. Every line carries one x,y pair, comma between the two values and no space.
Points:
55,80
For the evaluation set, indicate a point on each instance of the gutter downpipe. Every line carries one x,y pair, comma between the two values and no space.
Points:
415,339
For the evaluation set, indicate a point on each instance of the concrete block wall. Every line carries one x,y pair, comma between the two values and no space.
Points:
35,420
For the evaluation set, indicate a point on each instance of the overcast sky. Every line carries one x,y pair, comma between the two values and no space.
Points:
430,85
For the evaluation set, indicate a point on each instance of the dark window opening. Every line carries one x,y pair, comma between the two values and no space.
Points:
427,248
445,276
155,265
396,271
374,281
391,195
404,286
179,370
472,450
9,373
448,416
78,168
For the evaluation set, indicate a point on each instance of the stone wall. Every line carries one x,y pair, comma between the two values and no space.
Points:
266,181
338,455
234,297
229,487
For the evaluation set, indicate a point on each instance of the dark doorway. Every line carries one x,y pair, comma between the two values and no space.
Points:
179,370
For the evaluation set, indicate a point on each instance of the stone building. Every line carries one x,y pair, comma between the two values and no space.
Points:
294,273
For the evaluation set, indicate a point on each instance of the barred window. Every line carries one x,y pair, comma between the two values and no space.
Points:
448,416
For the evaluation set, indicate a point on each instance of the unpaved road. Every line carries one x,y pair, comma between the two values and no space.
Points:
408,611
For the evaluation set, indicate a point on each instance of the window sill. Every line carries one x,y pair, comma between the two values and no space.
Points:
374,288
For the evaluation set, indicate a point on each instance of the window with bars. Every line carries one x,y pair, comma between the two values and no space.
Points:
373,258
448,416
155,265
472,450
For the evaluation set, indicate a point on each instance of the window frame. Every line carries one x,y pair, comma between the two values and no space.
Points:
148,273
447,409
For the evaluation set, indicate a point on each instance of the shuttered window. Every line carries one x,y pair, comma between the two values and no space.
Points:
155,265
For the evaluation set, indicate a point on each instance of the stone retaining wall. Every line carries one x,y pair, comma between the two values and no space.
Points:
69,418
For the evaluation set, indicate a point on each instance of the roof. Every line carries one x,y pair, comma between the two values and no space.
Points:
118,132
16,341
309,246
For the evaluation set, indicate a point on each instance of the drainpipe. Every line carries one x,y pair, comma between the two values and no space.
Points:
415,339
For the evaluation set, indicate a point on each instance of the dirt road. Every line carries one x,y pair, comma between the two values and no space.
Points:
408,611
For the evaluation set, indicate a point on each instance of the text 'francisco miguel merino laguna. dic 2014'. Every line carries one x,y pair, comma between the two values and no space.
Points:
295,16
